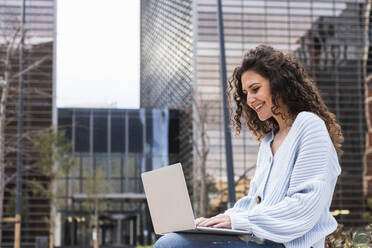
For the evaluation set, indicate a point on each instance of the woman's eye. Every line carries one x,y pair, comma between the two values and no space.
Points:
255,89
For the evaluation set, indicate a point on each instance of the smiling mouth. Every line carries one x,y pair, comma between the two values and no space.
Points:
258,107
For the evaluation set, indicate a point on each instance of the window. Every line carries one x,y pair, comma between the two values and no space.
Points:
82,130
117,133
100,132
135,133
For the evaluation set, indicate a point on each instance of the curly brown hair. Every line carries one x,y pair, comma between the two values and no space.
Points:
289,84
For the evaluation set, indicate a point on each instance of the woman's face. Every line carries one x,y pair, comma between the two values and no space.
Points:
257,89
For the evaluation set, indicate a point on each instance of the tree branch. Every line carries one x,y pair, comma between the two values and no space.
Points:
31,67
14,175
10,50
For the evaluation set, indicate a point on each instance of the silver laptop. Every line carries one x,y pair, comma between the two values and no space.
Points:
169,203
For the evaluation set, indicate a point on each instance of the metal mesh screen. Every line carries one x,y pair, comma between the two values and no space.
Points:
38,108
166,64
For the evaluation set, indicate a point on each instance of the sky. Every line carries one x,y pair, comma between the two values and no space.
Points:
98,44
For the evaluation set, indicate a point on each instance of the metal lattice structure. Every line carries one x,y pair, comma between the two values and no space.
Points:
166,64
333,52
38,113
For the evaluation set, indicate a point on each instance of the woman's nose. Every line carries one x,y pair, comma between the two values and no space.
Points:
250,99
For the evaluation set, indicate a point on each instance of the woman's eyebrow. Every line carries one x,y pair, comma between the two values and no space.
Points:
250,86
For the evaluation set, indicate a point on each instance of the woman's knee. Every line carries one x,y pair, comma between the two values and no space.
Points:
170,240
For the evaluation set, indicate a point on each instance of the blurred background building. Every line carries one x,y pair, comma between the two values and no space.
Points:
180,55
38,111
166,66
121,143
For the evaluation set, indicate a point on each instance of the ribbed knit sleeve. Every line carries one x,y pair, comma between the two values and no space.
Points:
241,204
309,190
238,205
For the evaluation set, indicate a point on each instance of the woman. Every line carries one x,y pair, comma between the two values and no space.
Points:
297,164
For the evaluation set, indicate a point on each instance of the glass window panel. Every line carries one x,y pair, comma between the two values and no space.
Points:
304,5
82,132
115,186
75,169
174,130
277,11
130,168
131,163
116,167
134,185
73,185
100,132
65,122
149,141
86,163
117,133
101,163
103,186
135,133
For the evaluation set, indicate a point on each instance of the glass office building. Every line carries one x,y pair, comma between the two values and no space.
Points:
121,143
38,111
180,52
166,71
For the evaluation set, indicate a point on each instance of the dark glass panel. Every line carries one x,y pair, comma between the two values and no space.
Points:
82,130
149,140
100,132
117,133
174,130
65,122
135,133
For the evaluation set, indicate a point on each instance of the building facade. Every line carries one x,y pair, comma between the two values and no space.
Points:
112,147
38,111
336,59
166,66
328,38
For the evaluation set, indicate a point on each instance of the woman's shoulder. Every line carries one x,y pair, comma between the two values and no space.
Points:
308,116
308,124
308,119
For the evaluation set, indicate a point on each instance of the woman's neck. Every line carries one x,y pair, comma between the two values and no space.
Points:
284,124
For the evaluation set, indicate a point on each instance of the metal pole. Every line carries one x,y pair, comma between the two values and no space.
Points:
18,207
228,147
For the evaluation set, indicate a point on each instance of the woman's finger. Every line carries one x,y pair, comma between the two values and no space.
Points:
220,221
223,225
200,220
212,221
207,222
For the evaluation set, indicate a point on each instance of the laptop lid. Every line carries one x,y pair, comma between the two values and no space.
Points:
168,199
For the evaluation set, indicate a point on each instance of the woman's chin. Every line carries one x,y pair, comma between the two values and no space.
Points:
263,117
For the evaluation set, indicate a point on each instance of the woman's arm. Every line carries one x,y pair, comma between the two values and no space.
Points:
244,202
309,193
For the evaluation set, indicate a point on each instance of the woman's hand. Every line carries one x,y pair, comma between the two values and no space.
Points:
218,221
199,220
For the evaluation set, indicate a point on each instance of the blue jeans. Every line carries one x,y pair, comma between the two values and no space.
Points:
193,240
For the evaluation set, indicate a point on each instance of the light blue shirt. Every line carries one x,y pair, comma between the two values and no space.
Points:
295,185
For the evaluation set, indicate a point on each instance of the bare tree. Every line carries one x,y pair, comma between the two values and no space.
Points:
10,40
201,146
